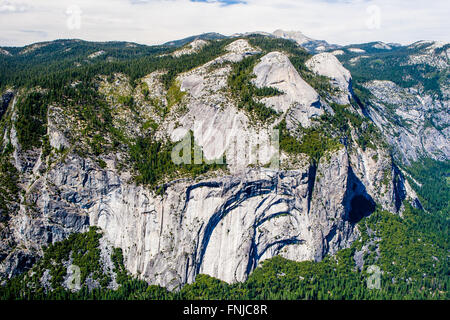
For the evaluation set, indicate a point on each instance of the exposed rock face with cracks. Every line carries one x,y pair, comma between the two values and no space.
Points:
223,224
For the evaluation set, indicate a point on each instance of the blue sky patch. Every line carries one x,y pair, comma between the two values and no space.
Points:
223,2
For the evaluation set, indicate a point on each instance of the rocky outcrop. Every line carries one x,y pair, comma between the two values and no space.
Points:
5,52
381,46
193,47
299,100
432,53
309,44
326,64
224,223
96,54
415,124
56,136
222,226
218,126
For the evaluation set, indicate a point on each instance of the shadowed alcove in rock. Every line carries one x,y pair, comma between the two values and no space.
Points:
359,203
360,207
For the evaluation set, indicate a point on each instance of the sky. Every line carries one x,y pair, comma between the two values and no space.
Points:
157,21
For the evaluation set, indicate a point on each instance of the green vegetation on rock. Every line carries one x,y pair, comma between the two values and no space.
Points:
245,93
434,191
153,161
9,188
31,119
313,141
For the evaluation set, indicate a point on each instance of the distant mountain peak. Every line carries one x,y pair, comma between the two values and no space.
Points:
203,36
297,36
308,43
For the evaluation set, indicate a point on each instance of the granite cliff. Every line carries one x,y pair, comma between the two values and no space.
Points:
267,201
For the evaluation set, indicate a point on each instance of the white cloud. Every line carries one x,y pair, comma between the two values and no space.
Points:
158,21
8,7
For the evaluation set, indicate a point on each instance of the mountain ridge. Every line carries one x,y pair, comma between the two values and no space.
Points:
92,148
296,36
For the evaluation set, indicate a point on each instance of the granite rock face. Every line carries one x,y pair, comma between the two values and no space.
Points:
193,47
432,53
410,103
222,224
415,124
326,64
312,45
299,100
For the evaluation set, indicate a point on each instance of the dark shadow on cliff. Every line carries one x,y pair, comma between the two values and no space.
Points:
399,188
358,203
312,172
4,102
